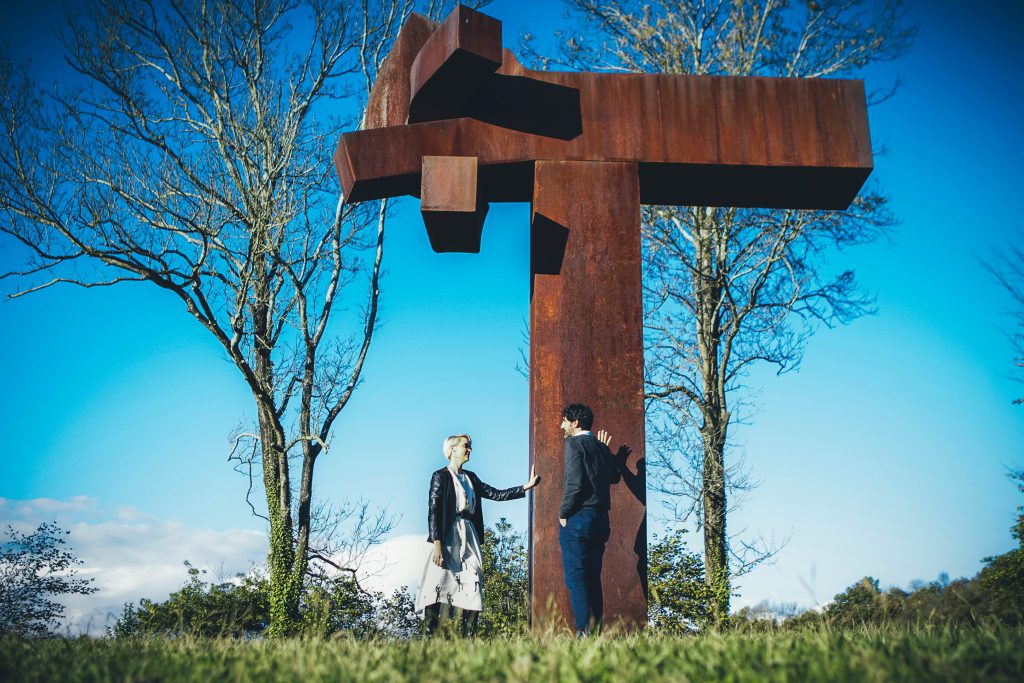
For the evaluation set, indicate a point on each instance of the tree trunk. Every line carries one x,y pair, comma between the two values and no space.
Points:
282,559
708,299
716,564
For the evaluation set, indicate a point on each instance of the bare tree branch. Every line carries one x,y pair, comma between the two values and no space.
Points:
1006,265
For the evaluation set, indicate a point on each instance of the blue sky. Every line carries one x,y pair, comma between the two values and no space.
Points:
883,455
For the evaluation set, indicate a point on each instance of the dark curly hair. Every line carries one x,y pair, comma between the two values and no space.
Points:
577,412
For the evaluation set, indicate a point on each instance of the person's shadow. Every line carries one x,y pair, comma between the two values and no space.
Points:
636,483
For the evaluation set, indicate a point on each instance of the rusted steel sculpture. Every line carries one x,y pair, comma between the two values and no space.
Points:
457,121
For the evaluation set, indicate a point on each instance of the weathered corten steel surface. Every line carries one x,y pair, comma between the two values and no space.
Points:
586,345
456,120
388,103
461,53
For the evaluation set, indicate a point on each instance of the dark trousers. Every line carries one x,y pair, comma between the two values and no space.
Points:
582,540
440,612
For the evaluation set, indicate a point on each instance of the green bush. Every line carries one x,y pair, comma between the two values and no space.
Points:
1003,577
339,606
678,597
241,609
201,609
506,583
34,569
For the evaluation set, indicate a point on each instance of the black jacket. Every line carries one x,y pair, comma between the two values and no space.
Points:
441,503
589,471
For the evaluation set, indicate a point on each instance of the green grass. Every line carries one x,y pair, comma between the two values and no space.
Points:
977,654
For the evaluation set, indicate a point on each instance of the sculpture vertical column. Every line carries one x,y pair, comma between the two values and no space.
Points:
586,346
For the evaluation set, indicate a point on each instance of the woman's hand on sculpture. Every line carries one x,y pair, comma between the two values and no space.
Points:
534,479
438,557
604,437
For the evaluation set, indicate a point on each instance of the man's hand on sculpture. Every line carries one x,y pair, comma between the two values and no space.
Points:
604,437
438,557
534,479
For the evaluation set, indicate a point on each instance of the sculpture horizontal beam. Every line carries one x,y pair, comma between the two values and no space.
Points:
771,142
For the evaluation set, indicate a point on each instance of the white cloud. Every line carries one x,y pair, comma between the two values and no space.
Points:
396,562
22,514
132,555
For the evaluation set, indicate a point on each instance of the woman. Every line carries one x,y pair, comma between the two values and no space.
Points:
453,575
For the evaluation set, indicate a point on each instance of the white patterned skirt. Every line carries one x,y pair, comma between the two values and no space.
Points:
460,581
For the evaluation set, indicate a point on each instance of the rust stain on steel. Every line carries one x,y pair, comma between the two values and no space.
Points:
586,345
457,120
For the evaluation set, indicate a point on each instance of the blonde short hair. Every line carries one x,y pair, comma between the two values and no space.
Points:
452,440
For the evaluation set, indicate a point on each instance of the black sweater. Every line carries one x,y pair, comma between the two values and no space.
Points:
588,475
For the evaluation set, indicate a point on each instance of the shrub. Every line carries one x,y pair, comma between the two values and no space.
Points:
33,569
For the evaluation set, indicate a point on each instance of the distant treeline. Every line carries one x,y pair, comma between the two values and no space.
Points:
35,569
996,594
678,599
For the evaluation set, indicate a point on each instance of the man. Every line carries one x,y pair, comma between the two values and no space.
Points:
583,515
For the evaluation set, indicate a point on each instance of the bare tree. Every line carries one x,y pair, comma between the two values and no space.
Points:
195,156
1007,267
728,288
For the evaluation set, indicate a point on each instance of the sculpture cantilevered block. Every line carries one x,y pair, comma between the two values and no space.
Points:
458,121
450,204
